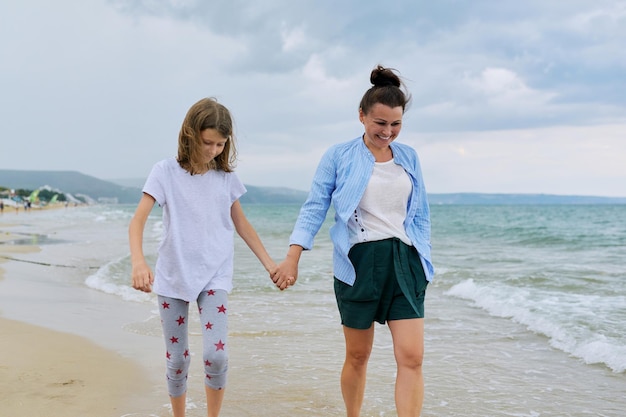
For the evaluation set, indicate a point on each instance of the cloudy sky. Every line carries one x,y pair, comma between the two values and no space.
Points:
508,96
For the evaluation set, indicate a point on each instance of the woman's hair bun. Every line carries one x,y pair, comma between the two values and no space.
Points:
387,89
383,77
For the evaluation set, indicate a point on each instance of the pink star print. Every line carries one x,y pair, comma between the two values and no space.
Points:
219,345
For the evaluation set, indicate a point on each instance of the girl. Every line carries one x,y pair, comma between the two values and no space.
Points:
199,194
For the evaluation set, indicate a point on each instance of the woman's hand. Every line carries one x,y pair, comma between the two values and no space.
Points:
285,274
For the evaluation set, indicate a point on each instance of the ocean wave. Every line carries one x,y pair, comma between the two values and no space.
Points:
114,278
570,321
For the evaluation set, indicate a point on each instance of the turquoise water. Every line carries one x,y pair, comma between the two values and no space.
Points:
558,270
526,315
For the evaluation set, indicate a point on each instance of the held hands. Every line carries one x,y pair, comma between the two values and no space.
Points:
284,275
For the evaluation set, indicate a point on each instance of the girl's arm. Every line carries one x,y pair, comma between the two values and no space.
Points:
252,239
142,275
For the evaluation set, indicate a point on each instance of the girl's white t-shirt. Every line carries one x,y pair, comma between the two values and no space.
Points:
197,247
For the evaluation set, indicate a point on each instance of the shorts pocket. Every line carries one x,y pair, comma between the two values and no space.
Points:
364,287
417,271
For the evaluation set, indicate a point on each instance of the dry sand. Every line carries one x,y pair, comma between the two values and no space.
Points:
46,373
49,373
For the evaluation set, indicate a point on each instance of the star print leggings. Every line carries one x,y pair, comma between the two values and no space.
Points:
212,306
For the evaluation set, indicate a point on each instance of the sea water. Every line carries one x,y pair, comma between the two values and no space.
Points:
526,315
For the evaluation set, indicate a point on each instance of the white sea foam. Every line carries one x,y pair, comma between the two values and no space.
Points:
604,351
549,316
114,278
569,291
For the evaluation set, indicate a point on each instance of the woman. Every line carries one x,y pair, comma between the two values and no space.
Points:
381,239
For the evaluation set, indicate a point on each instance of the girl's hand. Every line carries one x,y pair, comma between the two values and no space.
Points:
142,276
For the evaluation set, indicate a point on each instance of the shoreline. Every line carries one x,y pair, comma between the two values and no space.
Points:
53,366
285,348
7,251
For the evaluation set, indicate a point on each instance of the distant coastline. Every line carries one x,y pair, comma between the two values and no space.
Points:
128,191
517,199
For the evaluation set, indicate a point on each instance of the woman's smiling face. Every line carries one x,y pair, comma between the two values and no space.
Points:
382,125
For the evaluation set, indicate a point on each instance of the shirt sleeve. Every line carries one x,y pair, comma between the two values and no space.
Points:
154,184
313,212
237,189
421,219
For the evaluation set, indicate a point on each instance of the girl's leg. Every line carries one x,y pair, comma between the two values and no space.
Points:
213,308
358,348
214,399
179,405
174,321
408,348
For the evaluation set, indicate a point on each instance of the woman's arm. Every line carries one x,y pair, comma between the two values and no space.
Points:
311,217
288,269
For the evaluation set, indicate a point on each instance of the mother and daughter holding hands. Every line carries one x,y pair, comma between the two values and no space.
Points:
381,239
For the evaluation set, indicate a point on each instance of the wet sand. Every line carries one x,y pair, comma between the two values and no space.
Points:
70,350
49,373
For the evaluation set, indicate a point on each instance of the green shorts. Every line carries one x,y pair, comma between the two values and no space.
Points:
390,284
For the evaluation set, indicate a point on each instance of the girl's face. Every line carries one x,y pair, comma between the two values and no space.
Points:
212,143
382,125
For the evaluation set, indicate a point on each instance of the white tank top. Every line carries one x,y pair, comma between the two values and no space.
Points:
382,209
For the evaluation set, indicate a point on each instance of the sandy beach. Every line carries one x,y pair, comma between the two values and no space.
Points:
49,373
70,349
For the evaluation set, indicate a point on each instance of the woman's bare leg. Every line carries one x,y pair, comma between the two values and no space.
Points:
408,347
358,348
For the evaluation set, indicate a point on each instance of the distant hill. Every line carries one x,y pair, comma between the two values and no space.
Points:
75,183
128,191
255,194
273,195
128,182
71,182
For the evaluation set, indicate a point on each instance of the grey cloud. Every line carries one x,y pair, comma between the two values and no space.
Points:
116,78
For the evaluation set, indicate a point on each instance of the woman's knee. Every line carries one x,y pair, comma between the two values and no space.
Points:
358,345
358,355
410,358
